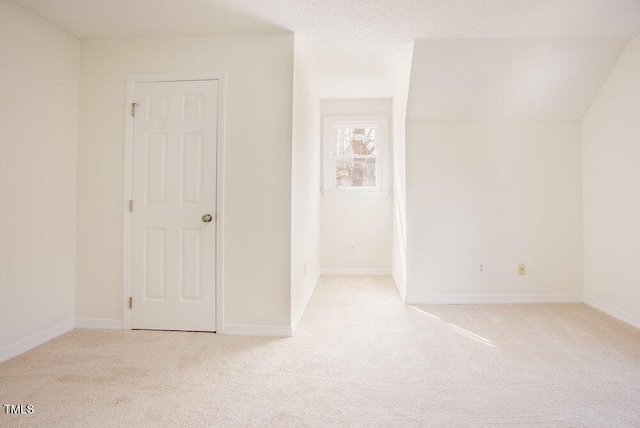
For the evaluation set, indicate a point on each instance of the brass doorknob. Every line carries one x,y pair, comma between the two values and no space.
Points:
207,218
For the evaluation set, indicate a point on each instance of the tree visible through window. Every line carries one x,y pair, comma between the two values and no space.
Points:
355,156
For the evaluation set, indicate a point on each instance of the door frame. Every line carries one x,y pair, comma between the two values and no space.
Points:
132,79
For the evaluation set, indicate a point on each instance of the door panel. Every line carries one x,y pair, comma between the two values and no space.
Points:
191,258
154,279
191,173
174,186
156,169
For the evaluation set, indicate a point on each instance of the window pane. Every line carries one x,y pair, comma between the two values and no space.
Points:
355,141
356,172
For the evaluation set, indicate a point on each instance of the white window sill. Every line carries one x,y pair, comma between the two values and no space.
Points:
350,193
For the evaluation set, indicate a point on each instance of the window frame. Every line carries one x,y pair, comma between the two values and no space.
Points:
330,124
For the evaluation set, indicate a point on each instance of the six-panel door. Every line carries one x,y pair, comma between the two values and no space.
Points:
174,189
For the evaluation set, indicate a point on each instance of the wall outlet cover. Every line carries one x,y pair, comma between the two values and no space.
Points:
522,269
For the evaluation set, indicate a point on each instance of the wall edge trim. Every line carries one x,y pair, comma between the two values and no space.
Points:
400,284
35,340
305,303
615,312
99,324
257,330
356,271
483,299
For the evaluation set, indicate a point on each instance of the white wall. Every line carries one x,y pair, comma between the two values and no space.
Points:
305,190
611,156
39,75
399,205
365,223
494,192
257,259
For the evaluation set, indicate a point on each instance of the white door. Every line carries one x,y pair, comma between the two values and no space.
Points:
173,223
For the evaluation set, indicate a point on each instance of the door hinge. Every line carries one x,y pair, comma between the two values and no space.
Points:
130,302
130,205
133,108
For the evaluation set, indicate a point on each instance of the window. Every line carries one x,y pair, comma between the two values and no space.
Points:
355,156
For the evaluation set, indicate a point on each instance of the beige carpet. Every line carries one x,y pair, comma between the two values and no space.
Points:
360,358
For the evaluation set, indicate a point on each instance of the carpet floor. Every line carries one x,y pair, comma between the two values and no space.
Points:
360,357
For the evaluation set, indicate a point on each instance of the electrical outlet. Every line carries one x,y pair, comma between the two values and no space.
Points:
482,268
352,249
522,269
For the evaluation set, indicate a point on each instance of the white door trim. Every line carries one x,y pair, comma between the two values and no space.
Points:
132,79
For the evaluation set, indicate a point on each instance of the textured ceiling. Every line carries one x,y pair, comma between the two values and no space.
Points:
91,19
354,48
508,79
331,20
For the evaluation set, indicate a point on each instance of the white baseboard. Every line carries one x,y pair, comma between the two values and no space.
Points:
257,330
400,284
98,324
296,320
37,339
492,299
615,312
356,271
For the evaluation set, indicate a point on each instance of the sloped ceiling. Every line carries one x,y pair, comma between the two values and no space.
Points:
508,79
353,48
